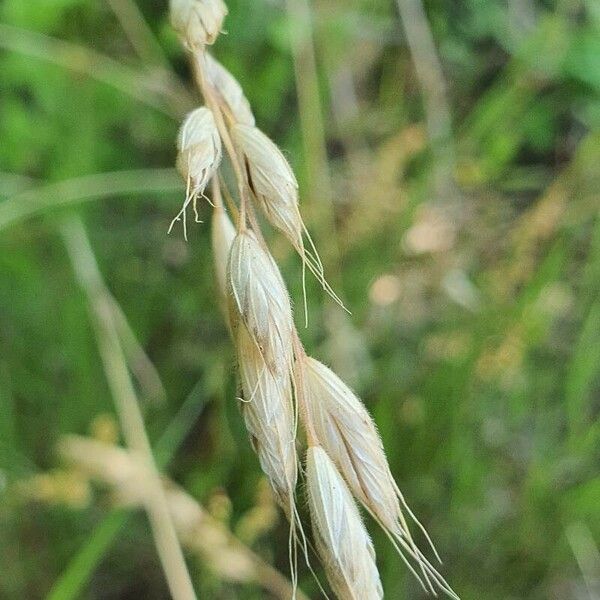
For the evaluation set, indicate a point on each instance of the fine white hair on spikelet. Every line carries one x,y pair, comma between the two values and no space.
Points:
268,412
272,180
347,432
198,22
198,158
228,89
341,538
259,298
275,189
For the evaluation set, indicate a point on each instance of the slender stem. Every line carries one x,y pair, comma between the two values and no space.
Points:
137,359
146,45
320,189
95,65
126,403
138,32
300,389
433,85
72,581
224,190
198,530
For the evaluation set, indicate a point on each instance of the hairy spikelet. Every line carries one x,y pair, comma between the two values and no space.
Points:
223,233
269,416
347,432
198,22
199,148
199,156
275,189
340,535
229,90
272,181
260,300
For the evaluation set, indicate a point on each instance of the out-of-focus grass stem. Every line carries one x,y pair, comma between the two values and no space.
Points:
102,68
146,45
126,403
318,176
434,88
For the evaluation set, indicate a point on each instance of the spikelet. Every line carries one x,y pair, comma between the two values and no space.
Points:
268,412
223,233
347,432
229,90
272,180
198,22
340,536
259,298
275,189
199,156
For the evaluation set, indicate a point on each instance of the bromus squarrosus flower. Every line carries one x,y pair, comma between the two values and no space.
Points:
281,388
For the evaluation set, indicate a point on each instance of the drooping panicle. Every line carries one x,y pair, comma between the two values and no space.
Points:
229,91
347,432
268,412
199,155
341,538
198,22
260,300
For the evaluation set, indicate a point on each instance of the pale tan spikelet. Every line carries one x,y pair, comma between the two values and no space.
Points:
198,22
341,538
272,181
199,148
275,189
199,156
347,432
228,89
260,300
268,412
223,234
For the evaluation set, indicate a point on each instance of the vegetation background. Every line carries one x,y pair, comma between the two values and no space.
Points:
455,197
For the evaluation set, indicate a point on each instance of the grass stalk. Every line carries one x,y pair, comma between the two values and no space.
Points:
71,583
126,403
102,68
434,88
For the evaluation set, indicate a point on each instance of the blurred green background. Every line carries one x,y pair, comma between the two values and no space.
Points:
455,197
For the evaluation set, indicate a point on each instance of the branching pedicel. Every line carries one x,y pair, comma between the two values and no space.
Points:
345,459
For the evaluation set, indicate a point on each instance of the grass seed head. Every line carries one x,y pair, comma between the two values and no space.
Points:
199,156
198,22
272,180
268,412
260,300
229,91
199,148
340,536
347,432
